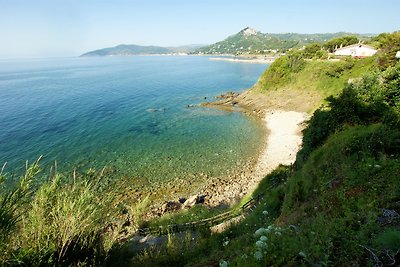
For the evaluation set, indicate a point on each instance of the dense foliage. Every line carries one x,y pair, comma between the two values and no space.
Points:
389,45
268,43
335,43
372,99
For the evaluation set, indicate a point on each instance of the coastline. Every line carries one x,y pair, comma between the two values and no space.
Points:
280,144
282,141
254,60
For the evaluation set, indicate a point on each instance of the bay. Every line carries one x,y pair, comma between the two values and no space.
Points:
130,114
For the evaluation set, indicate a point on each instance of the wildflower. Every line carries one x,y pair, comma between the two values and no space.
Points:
258,255
223,263
265,212
263,238
261,244
302,254
261,231
225,243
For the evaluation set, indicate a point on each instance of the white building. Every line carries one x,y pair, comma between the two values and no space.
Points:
356,50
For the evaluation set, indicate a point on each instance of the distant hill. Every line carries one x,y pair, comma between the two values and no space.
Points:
130,50
247,41
250,41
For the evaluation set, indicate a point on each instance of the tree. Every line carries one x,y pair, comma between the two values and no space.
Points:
388,45
311,50
331,45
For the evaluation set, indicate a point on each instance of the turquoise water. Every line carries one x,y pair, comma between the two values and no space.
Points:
127,113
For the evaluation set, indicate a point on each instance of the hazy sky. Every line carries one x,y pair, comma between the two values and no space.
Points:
56,28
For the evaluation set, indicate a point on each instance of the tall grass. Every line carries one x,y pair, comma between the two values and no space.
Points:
12,204
67,220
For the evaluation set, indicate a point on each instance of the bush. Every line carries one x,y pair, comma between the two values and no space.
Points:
388,45
280,70
372,99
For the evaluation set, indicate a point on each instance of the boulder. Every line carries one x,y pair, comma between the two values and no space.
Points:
190,202
200,199
170,206
182,200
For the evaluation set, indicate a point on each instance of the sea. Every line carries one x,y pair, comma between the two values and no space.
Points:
136,115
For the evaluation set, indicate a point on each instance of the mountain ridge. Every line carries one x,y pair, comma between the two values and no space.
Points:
246,41
251,41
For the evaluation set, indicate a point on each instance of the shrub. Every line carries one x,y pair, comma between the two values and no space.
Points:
280,70
372,99
388,45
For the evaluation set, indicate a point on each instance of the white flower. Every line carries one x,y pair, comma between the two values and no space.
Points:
223,263
302,254
265,212
261,244
261,231
225,243
258,255
263,238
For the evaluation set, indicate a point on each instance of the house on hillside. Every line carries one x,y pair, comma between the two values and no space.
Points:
356,51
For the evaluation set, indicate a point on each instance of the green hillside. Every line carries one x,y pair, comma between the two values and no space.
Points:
250,41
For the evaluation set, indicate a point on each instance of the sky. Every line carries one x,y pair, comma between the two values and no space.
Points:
68,28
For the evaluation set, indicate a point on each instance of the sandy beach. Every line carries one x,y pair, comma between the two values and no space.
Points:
257,60
283,141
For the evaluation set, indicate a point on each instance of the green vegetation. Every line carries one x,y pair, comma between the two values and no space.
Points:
339,204
335,43
129,50
65,221
248,41
303,84
389,45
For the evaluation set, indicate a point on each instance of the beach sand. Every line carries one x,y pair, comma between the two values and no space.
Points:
283,142
256,60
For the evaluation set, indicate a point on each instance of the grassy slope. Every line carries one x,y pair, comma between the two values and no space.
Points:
306,89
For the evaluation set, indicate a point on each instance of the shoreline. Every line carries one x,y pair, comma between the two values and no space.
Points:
279,145
253,60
